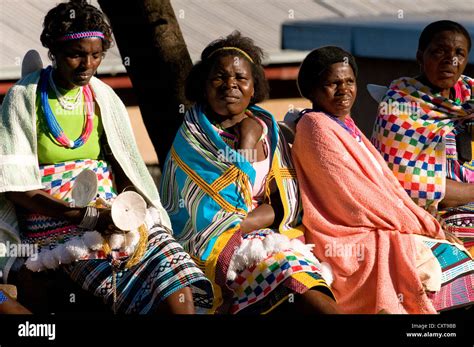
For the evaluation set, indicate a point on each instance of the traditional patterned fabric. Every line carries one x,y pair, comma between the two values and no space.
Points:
410,132
457,287
58,180
256,282
164,269
460,221
365,226
206,188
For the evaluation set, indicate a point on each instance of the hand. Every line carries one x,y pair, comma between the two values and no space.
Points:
105,224
452,238
262,217
250,132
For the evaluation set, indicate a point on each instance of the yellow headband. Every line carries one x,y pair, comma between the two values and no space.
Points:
232,49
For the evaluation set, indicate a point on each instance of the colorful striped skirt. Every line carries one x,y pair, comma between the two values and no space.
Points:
164,269
457,279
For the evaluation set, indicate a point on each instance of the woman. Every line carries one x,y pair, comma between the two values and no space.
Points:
387,253
230,190
145,271
423,128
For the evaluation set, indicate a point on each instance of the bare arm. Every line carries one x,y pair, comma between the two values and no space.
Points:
267,215
457,194
262,217
40,202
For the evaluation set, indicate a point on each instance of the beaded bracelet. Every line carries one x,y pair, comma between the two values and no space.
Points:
3,297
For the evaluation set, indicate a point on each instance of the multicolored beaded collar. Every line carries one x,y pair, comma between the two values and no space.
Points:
55,129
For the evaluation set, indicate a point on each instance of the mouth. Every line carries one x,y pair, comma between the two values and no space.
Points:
446,74
231,99
344,101
83,75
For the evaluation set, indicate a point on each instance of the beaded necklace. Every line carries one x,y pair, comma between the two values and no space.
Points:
55,129
66,103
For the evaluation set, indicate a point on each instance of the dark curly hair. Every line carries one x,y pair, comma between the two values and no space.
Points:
71,17
196,81
434,28
316,62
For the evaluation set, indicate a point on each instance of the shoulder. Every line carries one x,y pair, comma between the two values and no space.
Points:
467,80
261,113
23,84
313,121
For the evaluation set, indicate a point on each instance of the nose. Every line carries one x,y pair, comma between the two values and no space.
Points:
87,61
343,88
230,82
449,57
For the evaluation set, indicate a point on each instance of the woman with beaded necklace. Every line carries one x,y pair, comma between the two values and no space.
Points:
59,122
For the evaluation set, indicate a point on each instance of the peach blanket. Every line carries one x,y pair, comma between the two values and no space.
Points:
360,219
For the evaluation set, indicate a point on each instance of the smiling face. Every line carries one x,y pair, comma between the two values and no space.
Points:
77,62
336,90
230,87
444,60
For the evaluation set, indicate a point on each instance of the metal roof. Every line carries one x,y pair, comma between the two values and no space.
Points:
385,36
202,21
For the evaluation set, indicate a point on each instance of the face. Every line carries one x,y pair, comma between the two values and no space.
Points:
77,62
444,60
229,87
336,91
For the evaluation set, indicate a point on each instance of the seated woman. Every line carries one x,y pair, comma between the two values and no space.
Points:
145,271
423,128
231,193
387,253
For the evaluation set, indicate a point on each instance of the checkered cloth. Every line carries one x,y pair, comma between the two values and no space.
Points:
410,132
58,180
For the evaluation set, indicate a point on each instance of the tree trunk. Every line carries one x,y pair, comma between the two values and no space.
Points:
156,58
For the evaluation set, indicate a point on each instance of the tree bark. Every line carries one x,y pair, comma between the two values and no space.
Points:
157,60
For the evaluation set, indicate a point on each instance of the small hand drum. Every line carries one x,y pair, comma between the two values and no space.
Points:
128,211
85,188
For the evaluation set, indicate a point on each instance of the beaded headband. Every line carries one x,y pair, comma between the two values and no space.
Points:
82,35
232,49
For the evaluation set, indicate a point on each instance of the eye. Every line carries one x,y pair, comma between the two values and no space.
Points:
461,52
241,77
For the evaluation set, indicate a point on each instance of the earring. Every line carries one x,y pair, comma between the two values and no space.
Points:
53,62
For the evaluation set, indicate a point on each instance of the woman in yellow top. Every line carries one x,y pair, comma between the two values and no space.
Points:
59,122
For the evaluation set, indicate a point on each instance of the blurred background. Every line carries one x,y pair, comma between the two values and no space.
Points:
381,34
